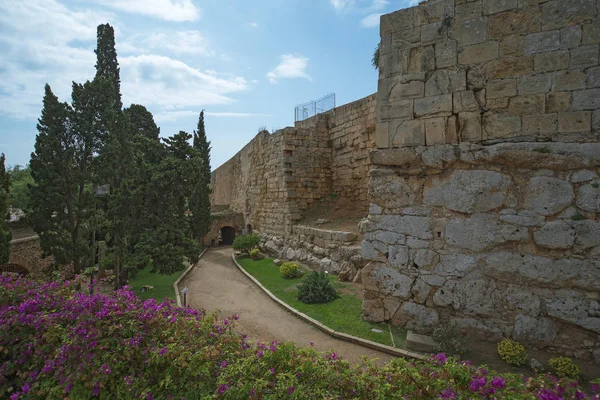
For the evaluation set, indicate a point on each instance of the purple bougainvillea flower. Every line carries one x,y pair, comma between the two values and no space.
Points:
291,390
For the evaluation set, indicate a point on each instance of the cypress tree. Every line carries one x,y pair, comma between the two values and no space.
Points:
200,199
60,167
5,235
107,66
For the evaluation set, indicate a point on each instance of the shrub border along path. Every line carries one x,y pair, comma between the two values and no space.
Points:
188,269
338,335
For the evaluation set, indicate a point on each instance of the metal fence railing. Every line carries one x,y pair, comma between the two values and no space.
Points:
312,108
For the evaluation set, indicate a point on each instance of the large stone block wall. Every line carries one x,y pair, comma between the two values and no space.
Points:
503,240
352,135
276,177
454,71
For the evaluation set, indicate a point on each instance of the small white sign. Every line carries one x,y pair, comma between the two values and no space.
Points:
184,290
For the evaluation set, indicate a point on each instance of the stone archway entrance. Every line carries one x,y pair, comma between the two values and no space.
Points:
227,235
14,268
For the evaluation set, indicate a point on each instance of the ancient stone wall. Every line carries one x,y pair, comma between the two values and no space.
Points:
352,135
276,177
28,253
489,70
485,198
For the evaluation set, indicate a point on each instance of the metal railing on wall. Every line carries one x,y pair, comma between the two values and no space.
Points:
312,108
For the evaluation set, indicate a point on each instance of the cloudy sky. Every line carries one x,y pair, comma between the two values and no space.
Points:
247,63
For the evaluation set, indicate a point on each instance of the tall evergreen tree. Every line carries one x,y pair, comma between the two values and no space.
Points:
60,167
168,243
107,66
5,235
200,199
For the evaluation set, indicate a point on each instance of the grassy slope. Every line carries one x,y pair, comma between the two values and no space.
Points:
343,314
163,285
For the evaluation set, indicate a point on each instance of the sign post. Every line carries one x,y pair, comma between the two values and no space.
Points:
184,293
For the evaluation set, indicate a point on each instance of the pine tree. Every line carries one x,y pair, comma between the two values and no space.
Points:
200,199
60,167
107,66
5,235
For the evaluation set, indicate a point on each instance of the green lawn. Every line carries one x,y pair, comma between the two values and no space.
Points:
343,314
163,284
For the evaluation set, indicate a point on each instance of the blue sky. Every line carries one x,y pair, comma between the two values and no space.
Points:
247,63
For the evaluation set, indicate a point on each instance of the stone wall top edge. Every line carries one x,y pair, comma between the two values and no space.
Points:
319,229
25,240
355,103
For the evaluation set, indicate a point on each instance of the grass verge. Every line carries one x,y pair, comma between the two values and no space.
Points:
163,284
343,314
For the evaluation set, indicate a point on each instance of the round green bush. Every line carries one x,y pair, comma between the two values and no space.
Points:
289,270
512,352
245,243
316,289
564,367
255,254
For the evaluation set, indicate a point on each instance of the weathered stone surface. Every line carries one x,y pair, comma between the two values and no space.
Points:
398,109
555,235
435,131
586,99
482,232
407,133
420,291
469,127
588,233
523,219
548,196
425,258
588,197
468,191
500,125
573,122
455,264
512,46
472,297
390,237
557,14
509,67
403,91
558,102
514,22
412,314
591,34
465,101
570,306
499,88
445,54
469,32
479,330
542,42
434,105
593,79
537,83
392,191
568,80
527,104
372,310
478,53
391,306
523,298
418,342
526,269
540,124
419,227
398,256
373,250
583,175
584,57
496,6
570,37
392,282
394,157
537,330
552,61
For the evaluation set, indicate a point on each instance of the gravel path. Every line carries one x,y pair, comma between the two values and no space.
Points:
216,284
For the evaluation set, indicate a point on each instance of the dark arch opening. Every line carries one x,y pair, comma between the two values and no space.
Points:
227,235
14,268
249,228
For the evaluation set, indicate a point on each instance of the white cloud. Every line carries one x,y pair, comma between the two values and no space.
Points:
44,42
169,116
291,66
342,4
180,42
370,21
412,3
253,24
169,10
377,5
37,45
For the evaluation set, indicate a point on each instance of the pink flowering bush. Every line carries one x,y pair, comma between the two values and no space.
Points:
58,343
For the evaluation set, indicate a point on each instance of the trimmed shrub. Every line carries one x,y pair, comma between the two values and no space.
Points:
255,254
564,367
316,289
289,270
448,339
512,352
245,243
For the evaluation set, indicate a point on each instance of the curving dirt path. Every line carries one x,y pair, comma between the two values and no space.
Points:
216,284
